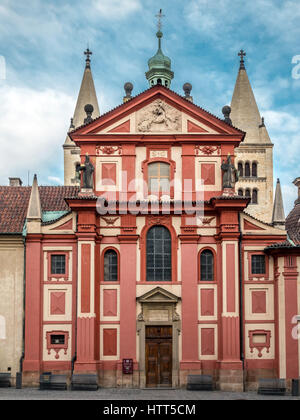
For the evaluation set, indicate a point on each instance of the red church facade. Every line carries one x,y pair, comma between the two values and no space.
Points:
155,267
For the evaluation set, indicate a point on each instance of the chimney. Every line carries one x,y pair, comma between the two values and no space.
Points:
15,182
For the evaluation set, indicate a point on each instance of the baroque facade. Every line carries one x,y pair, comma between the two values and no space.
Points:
146,259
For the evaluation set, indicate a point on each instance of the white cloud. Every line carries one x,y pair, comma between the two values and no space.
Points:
56,180
33,126
116,9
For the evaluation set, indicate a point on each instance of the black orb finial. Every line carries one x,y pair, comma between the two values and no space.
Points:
187,88
89,109
128,87
226,110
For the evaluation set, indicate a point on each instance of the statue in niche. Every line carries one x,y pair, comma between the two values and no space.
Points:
231,174
87,170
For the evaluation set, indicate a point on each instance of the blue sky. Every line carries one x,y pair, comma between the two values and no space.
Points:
42,44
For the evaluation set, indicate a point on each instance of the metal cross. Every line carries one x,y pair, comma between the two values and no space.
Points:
159,16
88,53
242,54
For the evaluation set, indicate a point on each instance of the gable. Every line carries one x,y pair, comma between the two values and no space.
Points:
157,111
252,226
158,295
158,117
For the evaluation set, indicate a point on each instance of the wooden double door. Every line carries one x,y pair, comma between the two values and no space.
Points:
158,356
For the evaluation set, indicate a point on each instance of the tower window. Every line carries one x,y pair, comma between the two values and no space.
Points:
241,192
254,196
159,82
241,169
247,169
254,169
159,256
247,193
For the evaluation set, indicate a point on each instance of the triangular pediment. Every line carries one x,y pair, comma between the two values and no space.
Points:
157,111
253,226
158,295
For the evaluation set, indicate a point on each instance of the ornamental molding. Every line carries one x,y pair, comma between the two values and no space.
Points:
108,150
207,150
263,343
110,220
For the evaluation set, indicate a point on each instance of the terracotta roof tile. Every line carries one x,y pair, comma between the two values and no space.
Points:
292,223
14,203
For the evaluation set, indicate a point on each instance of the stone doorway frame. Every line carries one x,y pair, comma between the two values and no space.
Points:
158,308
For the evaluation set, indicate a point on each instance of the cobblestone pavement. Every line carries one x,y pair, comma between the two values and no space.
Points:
108,394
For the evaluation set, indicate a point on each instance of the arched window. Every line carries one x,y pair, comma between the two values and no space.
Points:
241,192
159,81
254,169
255,196
110,265
159,177
159,255
241,169
207,265
247,169
248,193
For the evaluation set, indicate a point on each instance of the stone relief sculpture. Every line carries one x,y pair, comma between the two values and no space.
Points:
158,117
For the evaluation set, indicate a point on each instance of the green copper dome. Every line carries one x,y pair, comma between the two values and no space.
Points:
159,67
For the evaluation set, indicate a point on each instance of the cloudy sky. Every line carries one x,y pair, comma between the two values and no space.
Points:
42,62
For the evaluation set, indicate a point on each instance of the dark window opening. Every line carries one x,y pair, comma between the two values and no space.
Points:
58,264
207,265
110,266
159,81
241,193
247,169
254,197
254,169
57,339
159,254
258,264
241,169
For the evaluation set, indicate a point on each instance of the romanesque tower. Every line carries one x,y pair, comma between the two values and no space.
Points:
87,96
254,156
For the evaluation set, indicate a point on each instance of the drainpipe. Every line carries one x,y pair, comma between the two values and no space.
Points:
242,356
23,321
74,358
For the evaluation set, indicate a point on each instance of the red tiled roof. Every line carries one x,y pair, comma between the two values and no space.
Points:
14,204
292,223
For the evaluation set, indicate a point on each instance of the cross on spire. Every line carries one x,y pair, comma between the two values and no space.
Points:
88,53
159,16
242,54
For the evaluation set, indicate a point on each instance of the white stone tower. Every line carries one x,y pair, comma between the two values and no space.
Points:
87,95
254,156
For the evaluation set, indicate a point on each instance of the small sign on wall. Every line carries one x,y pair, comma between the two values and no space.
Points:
127,365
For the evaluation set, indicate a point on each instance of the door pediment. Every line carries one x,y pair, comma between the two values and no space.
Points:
158,295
